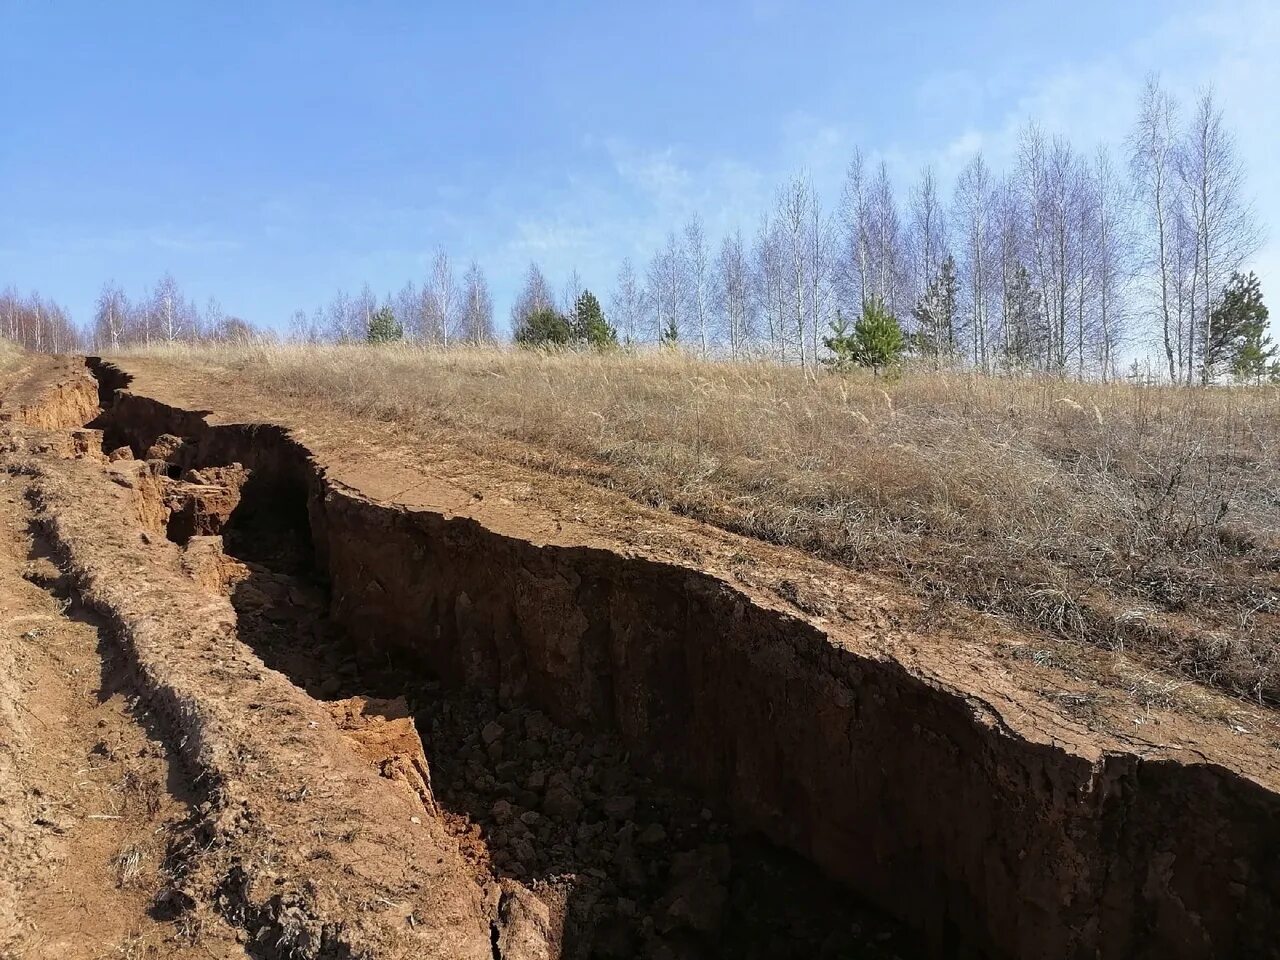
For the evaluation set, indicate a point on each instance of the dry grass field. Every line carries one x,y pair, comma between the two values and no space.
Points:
1146,518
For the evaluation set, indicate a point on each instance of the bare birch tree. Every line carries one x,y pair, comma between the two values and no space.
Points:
668,290
769,283
1225,232
927,231
440,299
855,261
109,322
975,233
1152,158
794,210
885,247
733,292
628,303
697,267
1113,239
533,297
477,307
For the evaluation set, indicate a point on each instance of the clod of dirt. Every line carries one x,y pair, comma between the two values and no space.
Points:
166,447
384,734
204,560
523,928
202,501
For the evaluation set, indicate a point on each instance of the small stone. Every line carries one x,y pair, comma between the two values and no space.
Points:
536,780
501,811
620,808
530,817
492,732
330,686
561,803
527,798
524,851
653,833
537,726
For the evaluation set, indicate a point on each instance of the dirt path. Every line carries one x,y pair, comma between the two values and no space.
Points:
90,800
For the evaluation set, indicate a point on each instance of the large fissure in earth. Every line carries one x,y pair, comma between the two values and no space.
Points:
642,743
630,865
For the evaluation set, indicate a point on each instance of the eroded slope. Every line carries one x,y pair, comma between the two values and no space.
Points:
961,791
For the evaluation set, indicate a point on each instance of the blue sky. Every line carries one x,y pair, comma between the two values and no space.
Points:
271,153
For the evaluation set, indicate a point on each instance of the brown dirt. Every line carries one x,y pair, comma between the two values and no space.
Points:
93,801
419,703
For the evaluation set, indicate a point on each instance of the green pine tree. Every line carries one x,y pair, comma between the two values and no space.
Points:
1236,338
935,314
878,338
589,325
670,334
1024,322
545,327
842,344
384,327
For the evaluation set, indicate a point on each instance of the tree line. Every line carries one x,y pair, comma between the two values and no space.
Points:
163,314
1063,264
37,324
443,310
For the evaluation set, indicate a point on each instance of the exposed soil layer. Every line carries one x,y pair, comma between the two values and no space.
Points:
573,700
627,866
288,841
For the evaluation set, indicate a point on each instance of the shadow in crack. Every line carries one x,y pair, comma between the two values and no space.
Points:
628,867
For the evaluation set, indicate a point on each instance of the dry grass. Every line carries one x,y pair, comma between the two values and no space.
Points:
11,355
1145,518
128,866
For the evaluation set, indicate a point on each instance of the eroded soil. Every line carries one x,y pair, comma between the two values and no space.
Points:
627,866
298,691
95,808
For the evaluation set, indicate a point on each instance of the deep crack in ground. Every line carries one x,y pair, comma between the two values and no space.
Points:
630,867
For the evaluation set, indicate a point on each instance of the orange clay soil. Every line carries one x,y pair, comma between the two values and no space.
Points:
93,799
429,703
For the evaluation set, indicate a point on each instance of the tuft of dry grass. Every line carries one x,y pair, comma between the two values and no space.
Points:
1145,518
128,866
